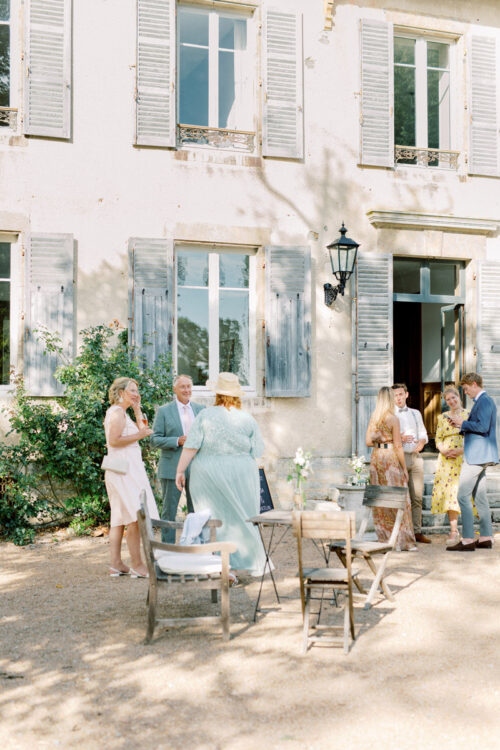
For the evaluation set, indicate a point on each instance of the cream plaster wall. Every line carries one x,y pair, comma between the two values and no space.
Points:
104,190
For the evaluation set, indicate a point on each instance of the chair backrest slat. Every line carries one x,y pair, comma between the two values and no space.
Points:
327,525
376,496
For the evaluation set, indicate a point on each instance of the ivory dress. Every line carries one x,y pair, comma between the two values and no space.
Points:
444,492
224,478
124,489
386,470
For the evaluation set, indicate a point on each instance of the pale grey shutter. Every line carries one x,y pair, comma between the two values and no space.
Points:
373,337
155,94
283,115
49,304
47,87
483,125
377,94
288,321
151,297
488,329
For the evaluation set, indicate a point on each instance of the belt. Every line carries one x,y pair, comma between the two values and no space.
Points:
382,445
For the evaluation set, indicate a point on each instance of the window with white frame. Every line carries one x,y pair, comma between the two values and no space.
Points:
4,63
215,313
5,315
214,80
422,106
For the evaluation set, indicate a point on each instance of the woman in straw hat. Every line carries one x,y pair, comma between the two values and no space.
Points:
222,444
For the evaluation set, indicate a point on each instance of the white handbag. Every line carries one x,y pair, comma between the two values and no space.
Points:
118,464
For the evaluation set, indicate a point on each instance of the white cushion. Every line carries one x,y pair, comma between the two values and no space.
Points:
178,562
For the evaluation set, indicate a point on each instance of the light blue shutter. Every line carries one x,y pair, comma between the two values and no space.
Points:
155,94
373,337
283,115
47,87
377,94
288,321
488,329
151,297
49,303
483,127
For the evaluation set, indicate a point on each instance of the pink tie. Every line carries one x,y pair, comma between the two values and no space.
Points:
188,419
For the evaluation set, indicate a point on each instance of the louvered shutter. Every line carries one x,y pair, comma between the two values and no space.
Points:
483,125
155,94
283,116
377,94
151,297
47,89
488,329
374,337
49,303
288,321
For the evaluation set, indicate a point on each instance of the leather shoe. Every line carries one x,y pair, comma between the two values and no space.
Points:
461,547
487,544
422,539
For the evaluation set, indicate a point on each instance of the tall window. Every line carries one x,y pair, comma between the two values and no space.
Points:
422,95
215,314
213,79
4,313
4,61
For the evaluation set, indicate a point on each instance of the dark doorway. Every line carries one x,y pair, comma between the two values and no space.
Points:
408,348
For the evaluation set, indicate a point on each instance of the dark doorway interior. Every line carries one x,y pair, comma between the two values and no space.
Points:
408,349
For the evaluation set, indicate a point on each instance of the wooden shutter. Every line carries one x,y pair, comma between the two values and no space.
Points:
373,337
49,303
288,321
483,126
47,89
151,297
155,93
488,329
377,94
283,116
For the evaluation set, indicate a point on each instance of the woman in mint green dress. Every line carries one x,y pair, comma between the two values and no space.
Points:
223,443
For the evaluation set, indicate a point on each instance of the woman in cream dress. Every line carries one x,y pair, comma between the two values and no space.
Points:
122,440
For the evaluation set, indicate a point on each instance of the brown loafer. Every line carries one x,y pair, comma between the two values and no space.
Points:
488,544
461,547
422,539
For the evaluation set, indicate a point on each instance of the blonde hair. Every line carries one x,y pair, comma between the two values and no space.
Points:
117,386
383,407
227,401
451,389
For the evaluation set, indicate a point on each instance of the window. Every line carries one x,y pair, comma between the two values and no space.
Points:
4,63
5,286
215,314
214,87
421,99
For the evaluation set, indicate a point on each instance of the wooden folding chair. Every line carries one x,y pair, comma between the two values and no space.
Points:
188,566
376,496
325,526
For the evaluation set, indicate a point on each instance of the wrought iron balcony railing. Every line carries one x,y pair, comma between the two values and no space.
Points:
236,140
426,157
8,118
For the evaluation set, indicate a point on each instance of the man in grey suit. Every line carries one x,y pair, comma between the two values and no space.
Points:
170,429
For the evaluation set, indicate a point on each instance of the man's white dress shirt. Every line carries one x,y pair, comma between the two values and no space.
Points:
411,423
186,415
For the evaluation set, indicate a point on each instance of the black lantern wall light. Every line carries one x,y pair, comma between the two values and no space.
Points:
342,257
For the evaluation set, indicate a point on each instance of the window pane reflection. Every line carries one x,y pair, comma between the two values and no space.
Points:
192,269
444,278
234,334
406,276
192,334
233,270
4,66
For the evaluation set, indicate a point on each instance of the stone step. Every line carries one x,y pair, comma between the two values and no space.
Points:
430,520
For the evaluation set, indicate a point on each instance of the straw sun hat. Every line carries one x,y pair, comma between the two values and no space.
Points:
227,385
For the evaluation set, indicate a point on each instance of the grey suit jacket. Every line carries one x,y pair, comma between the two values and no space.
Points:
167,428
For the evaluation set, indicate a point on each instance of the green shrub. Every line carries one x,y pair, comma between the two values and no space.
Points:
53,467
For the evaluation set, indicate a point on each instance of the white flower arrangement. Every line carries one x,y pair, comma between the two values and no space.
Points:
300,469
357,464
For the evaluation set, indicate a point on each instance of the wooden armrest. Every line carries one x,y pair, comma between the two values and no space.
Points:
197,549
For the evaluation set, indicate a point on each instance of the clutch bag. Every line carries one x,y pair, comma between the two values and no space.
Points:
118,464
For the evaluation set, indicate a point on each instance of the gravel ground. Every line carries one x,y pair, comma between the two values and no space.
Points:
74,671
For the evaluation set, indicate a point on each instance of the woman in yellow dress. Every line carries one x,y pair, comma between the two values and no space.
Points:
450,445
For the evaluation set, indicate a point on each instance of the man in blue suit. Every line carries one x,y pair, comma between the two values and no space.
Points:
480,451
170,429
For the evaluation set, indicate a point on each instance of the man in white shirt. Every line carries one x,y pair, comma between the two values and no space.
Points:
413,437
170,430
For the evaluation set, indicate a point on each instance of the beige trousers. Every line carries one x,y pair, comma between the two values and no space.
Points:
415,465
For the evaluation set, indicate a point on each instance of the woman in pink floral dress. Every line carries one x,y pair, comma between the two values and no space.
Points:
388,468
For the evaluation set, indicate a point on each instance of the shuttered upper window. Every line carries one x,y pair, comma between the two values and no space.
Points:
215,314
